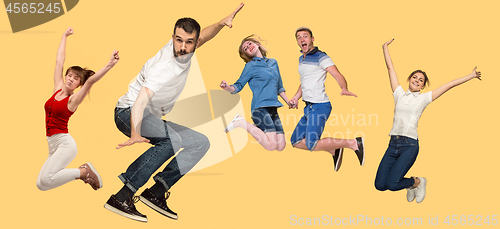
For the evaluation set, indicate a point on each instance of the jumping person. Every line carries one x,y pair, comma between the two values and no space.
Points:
58,110
313,68
263,76
138,115
404,144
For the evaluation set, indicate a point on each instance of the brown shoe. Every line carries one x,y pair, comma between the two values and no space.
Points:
91,176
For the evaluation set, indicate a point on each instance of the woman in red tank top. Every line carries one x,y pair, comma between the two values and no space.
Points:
58,110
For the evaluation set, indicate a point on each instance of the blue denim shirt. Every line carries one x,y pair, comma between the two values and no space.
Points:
263,76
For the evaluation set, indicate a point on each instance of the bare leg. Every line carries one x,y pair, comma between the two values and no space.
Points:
268,140
417,182
330,144
281,142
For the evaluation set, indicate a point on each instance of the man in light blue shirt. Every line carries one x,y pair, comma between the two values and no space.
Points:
313,68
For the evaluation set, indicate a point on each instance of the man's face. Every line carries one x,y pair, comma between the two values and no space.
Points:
184,42
305,41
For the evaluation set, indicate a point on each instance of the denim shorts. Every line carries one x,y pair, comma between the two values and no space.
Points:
267,119
312,124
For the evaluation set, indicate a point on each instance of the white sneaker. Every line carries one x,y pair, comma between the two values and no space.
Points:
230,125
420,190
410,195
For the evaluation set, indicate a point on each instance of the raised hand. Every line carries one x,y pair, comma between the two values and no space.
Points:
114,57
68,32
388,43
476,74
229,19
223,84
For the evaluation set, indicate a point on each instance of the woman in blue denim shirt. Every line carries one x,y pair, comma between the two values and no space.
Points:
263,76
404,144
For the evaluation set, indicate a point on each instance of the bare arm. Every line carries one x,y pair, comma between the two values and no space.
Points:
76,99
393,78
61,57
209,32
224,86
145,95
441,90
285,98
334,71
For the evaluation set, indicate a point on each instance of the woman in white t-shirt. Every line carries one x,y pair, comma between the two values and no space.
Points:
403,146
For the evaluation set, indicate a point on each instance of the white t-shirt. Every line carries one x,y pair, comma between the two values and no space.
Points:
407,112
312,70
165,76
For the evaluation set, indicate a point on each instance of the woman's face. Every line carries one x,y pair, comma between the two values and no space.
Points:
251,49
417,82
72,80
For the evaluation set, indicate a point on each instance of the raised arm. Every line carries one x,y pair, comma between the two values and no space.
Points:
77,98
145,95
441,90
334,71
209,32
393,78
61,57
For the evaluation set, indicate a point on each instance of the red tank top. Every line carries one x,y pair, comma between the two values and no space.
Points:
57,115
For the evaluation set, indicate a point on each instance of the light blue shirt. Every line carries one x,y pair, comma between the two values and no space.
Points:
263,76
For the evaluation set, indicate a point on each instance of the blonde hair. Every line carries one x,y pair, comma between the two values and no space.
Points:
255,39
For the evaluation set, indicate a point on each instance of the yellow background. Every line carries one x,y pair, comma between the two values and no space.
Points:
256,188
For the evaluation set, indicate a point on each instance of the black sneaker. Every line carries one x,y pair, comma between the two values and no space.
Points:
337,159
361,150
127,208
158,204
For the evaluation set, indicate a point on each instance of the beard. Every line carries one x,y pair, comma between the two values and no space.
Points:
182,56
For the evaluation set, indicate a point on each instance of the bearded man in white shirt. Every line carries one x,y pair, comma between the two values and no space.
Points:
138,114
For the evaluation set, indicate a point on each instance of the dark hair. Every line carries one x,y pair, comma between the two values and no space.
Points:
255,39
189,25
82,73
426,79
300,29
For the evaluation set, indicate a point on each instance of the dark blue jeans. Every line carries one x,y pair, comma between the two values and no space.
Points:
398,159
166,138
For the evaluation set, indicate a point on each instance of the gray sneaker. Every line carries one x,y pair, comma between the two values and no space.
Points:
420,190
410,195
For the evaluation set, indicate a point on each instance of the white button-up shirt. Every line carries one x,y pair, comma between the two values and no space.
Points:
408,109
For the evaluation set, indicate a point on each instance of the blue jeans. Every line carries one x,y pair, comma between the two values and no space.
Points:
398,159
267,119
166,138
312,124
